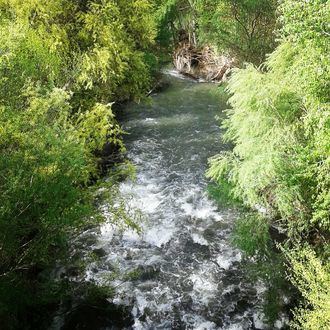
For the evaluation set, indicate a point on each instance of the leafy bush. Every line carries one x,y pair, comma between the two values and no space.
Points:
244,29
62,65
312,278
280,125
251,235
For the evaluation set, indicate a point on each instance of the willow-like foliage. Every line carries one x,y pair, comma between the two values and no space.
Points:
62,66
243,29
176,20
312,278
279,122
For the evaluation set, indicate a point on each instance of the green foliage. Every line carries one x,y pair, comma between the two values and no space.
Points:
222,194
251,235
312,278
243,29
113,36
62,65
97,126
176,22
280,125
41,164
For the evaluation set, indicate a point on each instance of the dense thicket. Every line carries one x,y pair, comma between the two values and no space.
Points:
240,29
62,64
243,29
175,21
280,126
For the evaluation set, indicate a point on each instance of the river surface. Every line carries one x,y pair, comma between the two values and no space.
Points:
187,274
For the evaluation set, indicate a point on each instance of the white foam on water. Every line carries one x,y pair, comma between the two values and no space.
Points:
204,286
203,208
223,262
281,322
107,231
154,259
187,208
203,213
198,238
258,320
146,198
131,236
197,322
147,122
175,73
138,325
141,302
159,235
228,289
235,326
206,326
227,258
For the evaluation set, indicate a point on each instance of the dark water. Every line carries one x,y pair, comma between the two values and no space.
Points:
187,274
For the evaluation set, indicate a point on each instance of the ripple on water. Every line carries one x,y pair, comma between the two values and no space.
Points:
190,277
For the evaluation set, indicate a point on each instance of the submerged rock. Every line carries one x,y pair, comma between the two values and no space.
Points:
100,252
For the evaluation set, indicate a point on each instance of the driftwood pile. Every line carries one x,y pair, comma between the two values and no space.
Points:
202,63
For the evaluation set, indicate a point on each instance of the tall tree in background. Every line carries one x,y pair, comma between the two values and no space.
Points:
243,29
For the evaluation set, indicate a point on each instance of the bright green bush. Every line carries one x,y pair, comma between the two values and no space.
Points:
62,65
279,123
312,278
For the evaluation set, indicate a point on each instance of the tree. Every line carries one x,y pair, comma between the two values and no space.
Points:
280,125
62,65
244,29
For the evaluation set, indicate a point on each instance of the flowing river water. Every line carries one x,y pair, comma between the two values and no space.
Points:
187,273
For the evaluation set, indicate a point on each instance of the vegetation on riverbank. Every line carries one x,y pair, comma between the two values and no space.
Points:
280,126
62,65
208,38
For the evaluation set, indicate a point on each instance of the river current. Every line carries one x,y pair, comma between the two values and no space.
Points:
187,273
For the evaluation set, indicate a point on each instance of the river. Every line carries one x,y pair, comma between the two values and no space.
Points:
187,273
